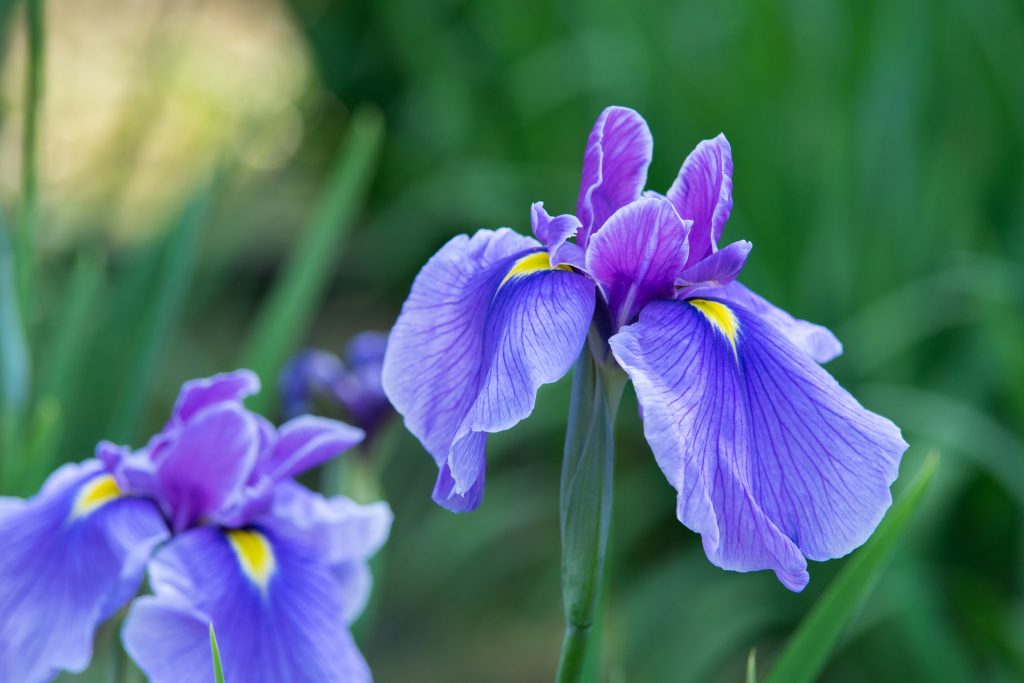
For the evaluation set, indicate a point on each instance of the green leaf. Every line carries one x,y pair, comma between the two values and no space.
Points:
163,311
752,666
218,671
808,650
15,364
296,294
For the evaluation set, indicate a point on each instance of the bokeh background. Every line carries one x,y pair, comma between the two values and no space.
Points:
227,181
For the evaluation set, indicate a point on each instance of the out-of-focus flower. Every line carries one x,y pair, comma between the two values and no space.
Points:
772,460
352,383
280,571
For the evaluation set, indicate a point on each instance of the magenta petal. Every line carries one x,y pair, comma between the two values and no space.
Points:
477,337
772,460
702,193
614,168
717,269
816,341
637,255
205,463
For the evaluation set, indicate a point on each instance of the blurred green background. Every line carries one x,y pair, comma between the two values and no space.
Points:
224,182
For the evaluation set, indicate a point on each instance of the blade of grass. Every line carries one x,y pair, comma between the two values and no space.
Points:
164,310
35,19
808,650
218,670
15,365
296,294
752,666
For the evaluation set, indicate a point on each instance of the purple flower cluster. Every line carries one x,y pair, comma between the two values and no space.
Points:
772,461
210,507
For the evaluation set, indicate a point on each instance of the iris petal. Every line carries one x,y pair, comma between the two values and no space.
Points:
772,460
702,193
72,556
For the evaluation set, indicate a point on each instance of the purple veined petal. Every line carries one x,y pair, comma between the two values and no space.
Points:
717,270
772,460
197,394
207,462
554,233
615,165
702,193
816,341
487,322
72,556
636,256
305,442
277,608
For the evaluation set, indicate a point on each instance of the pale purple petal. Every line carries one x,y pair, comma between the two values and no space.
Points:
554,233
614,168
636,256
206,462
197,394
772,460
717,269
475,340
305,442
283,623
702,193
68,562
816,341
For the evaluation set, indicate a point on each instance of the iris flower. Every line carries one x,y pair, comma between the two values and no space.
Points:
210,507
773,462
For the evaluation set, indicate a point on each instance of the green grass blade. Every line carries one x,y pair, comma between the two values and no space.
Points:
808,650
752,666
15,362
218,671
35,25
164,309
296,294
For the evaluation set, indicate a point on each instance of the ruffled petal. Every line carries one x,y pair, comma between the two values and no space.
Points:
702,193
71,556
772,460
228,387
816,341
717,270
203,465
276,606
486,324
615,165
305,442
554,232
637,255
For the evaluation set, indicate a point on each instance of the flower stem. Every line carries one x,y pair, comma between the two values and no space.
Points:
586,504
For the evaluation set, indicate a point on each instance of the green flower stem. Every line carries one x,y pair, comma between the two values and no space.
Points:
35,17
586,503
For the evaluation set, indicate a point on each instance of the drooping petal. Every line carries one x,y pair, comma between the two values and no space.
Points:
206,462
69,558
717,270
637,255
702,193
197,394
772,460
276,607
816,341
486,324
305,442
554,233
615,165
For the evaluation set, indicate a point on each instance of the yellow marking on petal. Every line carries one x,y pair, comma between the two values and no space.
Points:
254,553
532,263
721,318
96,493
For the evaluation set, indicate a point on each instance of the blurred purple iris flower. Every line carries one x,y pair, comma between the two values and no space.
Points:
279,570
773,462
351,383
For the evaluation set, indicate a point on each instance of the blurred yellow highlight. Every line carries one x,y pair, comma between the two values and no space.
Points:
94,495
255,555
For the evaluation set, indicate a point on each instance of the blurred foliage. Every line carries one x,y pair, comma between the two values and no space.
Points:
879,152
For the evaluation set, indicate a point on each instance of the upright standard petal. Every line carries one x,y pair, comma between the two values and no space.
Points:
71,557
488,322
816,341
615,165
305,442
227,387
772,460
702,193
277,608
718,269
637,255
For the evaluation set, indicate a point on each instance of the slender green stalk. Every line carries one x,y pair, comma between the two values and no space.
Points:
586,504
14,365
218,671
35,17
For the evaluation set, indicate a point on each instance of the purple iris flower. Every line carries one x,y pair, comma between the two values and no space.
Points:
351,383
773,462
280,571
